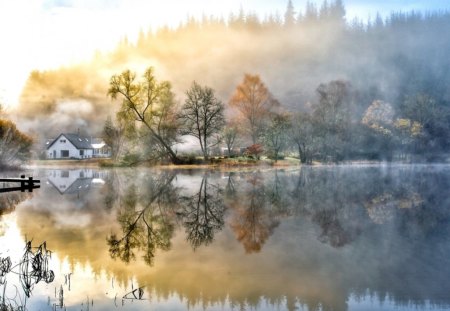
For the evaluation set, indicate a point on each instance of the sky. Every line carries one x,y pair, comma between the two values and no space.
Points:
47,34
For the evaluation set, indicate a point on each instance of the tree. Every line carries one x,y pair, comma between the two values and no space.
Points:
151,103
324,10
202,115
254,150
377,135
230,135
421,108
407,132
276,135
379,115
15,146
289,16
114,136
255,104
333,117
337,12
311,13
302,135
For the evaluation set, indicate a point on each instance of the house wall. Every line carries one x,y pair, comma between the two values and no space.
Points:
103,152
64,144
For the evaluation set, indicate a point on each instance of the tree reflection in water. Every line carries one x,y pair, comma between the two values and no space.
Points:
144,219
202,214
341,205
345,233
253,221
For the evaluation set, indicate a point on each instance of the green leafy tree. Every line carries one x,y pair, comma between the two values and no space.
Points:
152,104
202,116
145,224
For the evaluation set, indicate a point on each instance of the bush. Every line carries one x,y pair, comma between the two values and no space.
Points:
130,159
15,147
254,150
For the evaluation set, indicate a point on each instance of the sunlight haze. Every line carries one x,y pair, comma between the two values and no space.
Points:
47,34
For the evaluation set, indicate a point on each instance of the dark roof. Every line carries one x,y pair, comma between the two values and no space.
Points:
78,141
79,185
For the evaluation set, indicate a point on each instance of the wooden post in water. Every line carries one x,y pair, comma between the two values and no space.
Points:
30,184
22,183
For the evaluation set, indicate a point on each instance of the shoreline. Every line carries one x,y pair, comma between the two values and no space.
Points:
290,163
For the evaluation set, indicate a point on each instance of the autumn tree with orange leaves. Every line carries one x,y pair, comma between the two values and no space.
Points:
255,104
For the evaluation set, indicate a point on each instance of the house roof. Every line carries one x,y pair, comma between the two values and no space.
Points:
78,141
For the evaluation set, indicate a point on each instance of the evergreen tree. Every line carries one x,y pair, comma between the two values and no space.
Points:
289,16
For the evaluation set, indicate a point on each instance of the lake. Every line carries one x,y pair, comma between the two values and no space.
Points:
355,237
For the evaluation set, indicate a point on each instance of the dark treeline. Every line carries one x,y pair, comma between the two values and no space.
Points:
343,77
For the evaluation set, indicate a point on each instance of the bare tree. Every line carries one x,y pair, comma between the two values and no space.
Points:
203,213
151,103
255,103
202,115
230,136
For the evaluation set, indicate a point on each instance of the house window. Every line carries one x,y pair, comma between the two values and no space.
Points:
81,152
62,140
65,174
64,153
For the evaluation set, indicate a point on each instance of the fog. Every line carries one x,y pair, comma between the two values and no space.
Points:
382,60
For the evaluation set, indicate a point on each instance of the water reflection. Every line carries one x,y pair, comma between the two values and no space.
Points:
144,218
318,238
202,214
255,211
75,181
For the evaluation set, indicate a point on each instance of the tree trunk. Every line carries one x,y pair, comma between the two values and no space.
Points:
302,154
205,149
172,155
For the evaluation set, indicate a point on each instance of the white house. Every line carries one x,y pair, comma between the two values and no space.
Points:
75,146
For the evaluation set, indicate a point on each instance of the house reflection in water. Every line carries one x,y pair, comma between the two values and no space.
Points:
75,181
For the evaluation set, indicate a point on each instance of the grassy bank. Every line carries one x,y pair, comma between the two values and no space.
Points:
196,164
67,163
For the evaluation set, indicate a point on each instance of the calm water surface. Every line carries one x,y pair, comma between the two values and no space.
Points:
319,238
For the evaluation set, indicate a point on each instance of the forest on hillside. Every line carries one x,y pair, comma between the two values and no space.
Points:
377,89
